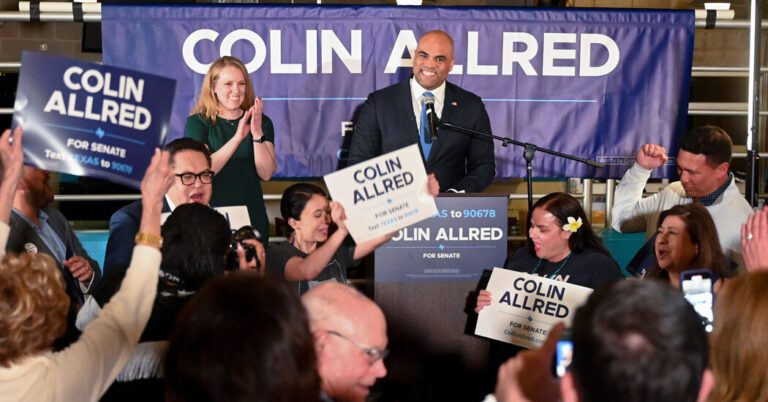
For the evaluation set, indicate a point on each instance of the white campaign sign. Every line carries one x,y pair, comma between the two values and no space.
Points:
525,307
383,194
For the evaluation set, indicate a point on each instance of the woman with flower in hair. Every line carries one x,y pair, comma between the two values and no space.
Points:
561,246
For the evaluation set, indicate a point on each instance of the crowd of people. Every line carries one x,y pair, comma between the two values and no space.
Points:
169,318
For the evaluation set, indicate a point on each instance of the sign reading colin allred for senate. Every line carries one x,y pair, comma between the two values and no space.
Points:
89,119
467,235
383,194
524,307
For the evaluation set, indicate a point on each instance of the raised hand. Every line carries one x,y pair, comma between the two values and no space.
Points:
754,241
158,178
12,157
651,156
338,215
243,127
257,117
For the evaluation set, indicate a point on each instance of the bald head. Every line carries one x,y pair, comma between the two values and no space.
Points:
333,303
350,332
433,59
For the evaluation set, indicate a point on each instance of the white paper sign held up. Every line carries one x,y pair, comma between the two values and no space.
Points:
524,307
383,194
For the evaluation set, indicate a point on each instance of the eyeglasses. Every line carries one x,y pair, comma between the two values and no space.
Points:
188,179
371,354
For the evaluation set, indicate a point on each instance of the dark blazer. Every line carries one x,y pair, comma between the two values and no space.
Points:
123,226
459,161
22,233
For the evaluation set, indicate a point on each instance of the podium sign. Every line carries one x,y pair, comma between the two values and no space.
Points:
466,236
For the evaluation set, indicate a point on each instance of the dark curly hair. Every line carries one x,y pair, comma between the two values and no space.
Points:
562,206
243,337
195,241
295,199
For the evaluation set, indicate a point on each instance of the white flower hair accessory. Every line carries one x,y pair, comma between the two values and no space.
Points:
573,225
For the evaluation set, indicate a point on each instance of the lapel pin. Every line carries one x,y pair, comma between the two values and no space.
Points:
454,103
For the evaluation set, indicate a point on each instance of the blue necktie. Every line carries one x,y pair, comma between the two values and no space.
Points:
426,141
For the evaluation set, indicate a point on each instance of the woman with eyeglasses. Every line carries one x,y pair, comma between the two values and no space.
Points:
228,117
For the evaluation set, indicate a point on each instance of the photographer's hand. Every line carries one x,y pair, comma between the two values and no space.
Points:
258,263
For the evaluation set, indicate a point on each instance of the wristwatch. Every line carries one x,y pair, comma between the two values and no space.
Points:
260,140
148,239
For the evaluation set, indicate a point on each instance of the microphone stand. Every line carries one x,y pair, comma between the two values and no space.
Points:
529,153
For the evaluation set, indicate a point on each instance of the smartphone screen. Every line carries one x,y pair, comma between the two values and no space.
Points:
697,289
563,357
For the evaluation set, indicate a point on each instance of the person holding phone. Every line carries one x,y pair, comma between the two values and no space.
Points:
229,119
687,239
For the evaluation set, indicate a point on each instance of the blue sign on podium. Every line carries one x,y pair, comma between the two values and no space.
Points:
89,119
467,236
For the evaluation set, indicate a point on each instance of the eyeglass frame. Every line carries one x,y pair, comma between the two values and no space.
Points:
197,176
372,354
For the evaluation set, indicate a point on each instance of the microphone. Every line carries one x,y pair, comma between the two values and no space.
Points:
432,120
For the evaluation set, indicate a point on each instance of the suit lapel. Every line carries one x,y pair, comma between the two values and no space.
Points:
59,227
25,231
405,108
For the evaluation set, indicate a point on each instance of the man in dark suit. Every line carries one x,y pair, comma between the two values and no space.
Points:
191,162
391,118
38,228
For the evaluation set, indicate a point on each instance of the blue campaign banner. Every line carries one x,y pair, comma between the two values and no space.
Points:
467,236
89,119
591,82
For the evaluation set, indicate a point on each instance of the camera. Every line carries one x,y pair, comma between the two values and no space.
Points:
245,232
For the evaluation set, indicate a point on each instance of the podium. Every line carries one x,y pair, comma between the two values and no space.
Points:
423,279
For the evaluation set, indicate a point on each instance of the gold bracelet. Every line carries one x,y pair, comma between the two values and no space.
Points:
149,239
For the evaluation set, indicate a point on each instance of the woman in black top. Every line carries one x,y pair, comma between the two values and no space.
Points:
561,246
312,255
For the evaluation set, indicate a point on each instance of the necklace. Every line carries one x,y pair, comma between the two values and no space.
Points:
552,276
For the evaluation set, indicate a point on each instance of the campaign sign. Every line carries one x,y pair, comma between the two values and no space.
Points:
383,194
467,236
525,307
88,119
582,81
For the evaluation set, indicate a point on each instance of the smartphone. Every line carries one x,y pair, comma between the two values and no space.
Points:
696,285
563,354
